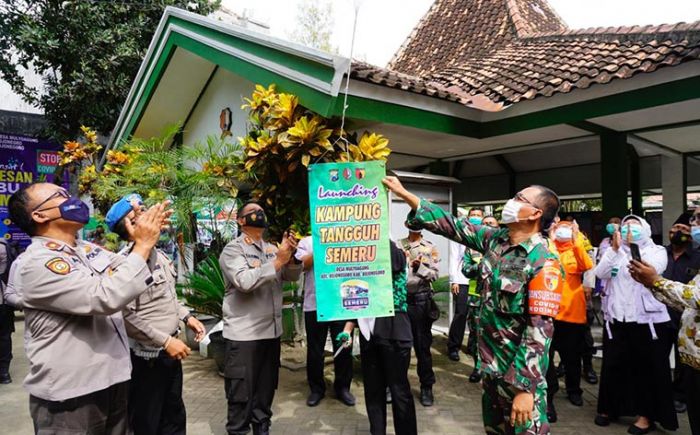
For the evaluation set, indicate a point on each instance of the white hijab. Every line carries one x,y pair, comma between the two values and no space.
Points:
645,241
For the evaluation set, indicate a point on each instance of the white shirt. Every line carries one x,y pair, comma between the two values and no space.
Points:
455,267
304,248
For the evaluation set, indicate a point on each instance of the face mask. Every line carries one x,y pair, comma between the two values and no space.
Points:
256,219
564,234
611,228
636,232
74,210
695,234
511,211
475,220
679,238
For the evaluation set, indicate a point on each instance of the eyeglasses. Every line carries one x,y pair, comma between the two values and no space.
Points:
61,193
520,197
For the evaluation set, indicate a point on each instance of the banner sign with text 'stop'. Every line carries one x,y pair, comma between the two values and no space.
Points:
350,234
23,160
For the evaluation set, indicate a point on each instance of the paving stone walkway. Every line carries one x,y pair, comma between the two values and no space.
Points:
457,407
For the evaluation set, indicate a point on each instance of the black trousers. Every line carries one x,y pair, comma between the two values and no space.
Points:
459,320
691,384
421,328
316,333
589,343
155,396
570,341
103,412
636,375
7,327
251,374
385,364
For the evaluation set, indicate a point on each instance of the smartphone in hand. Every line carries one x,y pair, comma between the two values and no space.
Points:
634,250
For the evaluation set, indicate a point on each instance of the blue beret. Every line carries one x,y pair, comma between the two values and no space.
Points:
120,209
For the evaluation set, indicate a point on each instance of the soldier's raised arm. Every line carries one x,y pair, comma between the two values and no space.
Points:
433,218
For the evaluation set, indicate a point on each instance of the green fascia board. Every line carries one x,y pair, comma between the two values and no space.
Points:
391,113
297,63
310,98
642,98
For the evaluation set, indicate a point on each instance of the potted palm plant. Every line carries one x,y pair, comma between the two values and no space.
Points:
203,290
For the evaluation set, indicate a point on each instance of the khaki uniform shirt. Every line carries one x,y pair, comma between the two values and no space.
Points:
253,300
420,279
155,315
74,332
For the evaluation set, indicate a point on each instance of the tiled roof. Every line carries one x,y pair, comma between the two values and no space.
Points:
510,50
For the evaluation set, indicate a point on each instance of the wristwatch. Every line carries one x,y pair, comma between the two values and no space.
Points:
186,318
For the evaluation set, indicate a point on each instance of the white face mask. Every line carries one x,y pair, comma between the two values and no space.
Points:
511,211
564,234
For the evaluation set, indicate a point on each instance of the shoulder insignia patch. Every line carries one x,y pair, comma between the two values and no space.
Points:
87,248
58,266
248,240
54,246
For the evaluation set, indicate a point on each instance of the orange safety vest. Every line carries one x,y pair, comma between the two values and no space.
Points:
574,260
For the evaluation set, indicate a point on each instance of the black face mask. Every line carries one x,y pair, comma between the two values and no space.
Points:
255,219
679,238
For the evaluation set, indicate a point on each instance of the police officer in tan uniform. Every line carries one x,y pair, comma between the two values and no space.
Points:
423,262
73,293
254,271
152,324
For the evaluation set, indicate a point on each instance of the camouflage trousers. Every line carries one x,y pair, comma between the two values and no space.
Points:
474,304
497,401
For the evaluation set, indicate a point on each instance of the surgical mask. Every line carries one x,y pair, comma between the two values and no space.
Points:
679,238
636,231
74,210
611,228
695,234
475,220
564,234
256,219
511,211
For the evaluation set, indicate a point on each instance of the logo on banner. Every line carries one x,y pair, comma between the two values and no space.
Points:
355,294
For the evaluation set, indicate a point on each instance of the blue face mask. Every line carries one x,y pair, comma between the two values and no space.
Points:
475,220
636,232
611,228
695,233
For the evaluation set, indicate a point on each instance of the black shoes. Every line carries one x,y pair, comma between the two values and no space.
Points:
576,399
453,355
475,377
551,413
426,396
5,378
590,375
561,371
314,399
346,397
261,428
679,406
635,430
602,420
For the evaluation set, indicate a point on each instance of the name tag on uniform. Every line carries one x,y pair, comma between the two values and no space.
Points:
544,290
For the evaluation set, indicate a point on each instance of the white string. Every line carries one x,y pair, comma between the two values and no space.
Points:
347,83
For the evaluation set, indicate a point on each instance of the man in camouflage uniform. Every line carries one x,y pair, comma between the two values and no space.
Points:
470,268
520,298
423,262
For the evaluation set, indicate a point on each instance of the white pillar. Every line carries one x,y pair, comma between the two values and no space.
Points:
673,189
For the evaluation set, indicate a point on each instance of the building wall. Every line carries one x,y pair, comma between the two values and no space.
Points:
225,90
